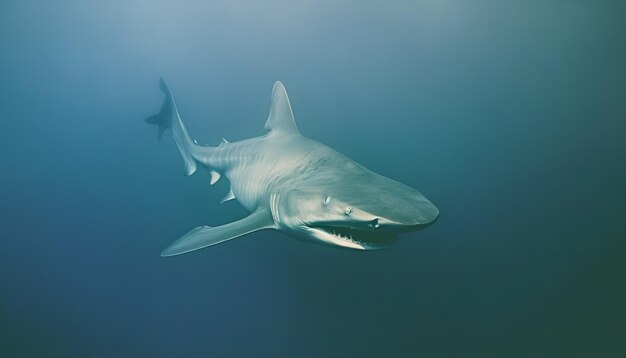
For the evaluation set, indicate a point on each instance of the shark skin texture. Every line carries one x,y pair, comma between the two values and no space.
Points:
296,185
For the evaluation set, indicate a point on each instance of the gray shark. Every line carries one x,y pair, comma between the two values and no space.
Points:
295,185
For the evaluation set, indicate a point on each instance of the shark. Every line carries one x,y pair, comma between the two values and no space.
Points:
295,185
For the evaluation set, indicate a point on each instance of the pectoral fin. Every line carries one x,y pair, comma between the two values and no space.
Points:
204,236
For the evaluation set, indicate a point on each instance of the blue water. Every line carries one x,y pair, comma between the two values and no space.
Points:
509,116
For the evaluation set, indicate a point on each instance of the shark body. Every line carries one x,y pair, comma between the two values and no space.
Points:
296,185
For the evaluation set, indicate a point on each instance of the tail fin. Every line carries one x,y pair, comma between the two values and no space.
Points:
163,119
168,117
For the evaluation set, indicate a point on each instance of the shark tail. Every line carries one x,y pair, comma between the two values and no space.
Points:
168,117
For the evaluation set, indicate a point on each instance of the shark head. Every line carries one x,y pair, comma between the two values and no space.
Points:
358,209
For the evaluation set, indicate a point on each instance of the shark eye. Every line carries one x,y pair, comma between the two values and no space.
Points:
326,199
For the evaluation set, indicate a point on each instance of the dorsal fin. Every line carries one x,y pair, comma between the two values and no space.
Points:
281,118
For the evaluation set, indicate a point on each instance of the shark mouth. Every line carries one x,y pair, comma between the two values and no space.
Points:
360,239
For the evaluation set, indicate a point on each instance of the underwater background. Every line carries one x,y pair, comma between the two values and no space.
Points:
510,116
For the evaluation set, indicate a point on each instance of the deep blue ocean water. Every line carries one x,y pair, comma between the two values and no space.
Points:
509,116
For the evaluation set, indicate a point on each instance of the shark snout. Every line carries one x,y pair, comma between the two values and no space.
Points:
402,217
427,213
420,213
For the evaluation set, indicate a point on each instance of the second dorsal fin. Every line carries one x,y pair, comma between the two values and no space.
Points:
281,118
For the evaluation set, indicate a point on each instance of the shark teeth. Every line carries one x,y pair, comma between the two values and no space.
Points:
349,238
334,238
346,236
